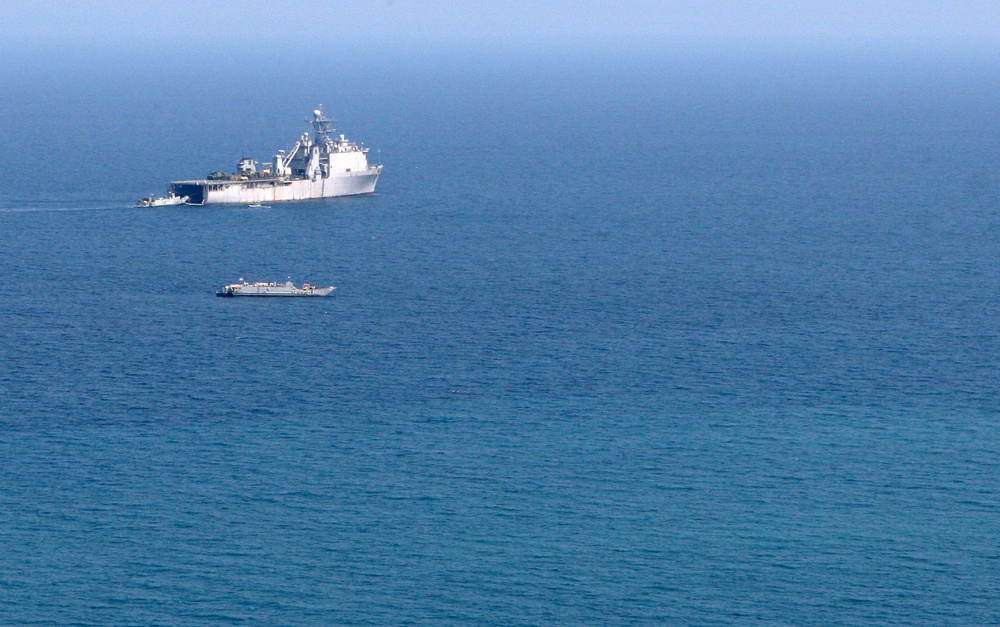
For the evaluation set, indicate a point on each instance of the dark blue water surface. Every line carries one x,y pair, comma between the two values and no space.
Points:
617,340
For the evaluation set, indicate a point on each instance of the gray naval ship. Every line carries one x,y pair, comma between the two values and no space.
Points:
261,288
316,167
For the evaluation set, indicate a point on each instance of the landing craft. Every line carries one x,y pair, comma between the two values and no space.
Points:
261,288
153,201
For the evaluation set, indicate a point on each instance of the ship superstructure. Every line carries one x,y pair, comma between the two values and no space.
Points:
315,167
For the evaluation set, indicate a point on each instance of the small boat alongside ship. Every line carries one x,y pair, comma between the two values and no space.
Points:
261,288
164,201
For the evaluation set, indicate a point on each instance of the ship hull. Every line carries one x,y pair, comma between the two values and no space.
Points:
276,190
272,290
312,294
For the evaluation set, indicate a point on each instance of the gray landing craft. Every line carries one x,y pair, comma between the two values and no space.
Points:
316,167
261,288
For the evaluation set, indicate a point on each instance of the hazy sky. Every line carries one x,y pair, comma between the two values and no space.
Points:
66,23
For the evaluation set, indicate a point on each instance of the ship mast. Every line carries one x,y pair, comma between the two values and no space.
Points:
323,126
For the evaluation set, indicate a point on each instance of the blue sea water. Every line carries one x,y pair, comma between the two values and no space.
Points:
674,339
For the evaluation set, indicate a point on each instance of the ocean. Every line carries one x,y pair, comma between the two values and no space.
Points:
683,338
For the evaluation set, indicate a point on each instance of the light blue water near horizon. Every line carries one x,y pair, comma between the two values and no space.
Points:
615,341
